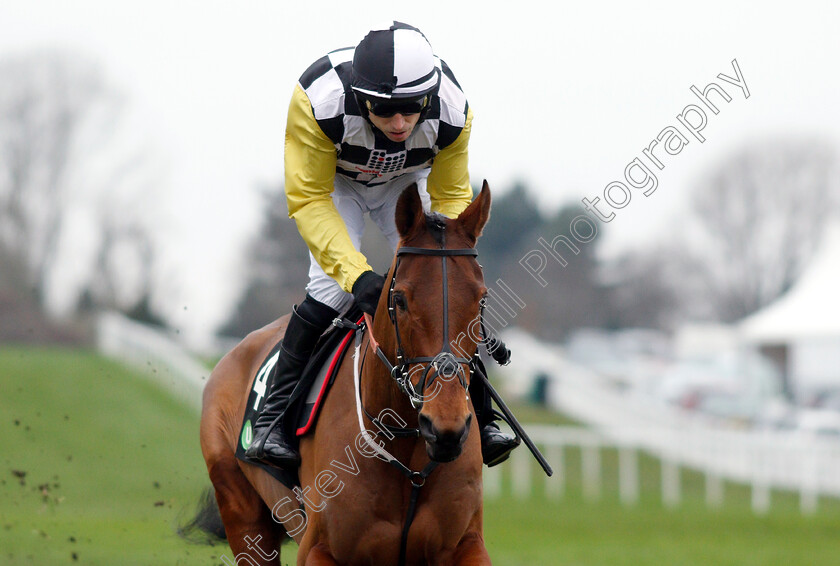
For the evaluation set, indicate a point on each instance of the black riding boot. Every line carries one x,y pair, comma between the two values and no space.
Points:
496,445
271,443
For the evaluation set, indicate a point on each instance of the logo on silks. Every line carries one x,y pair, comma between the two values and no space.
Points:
247,435
383,162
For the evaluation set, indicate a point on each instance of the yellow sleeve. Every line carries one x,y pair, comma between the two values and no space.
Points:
449,180
310,161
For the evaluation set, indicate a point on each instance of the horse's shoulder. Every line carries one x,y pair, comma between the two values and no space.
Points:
256,345
244,358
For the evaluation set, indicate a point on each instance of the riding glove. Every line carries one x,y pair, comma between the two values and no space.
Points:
367,290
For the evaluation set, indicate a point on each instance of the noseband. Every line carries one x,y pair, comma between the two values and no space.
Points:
445,364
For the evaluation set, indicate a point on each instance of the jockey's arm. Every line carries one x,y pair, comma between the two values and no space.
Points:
449,180
310,161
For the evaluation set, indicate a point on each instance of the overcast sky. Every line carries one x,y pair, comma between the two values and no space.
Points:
565,96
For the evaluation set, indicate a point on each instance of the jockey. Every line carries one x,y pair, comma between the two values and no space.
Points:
364,123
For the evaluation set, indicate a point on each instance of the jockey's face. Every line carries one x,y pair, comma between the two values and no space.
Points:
397,127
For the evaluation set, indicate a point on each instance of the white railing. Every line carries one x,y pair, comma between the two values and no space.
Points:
763,461
154,353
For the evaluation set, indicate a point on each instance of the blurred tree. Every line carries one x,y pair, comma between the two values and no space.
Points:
573,296
515,216
65,174
45,101
760,217
124,243
642,290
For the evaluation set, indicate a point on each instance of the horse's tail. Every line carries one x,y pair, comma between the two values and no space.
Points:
205,527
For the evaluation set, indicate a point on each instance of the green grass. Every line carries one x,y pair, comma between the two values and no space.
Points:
574,531
607,534
110,460
533,414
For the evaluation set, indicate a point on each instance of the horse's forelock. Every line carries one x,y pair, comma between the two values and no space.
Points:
436,226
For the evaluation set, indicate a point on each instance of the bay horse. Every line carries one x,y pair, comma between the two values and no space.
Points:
426,507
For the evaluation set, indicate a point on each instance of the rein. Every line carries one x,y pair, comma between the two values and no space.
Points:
417,479
445,364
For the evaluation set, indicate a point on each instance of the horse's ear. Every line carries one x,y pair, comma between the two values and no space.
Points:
409,213
477,213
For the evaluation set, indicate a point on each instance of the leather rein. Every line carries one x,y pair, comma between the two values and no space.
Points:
444,365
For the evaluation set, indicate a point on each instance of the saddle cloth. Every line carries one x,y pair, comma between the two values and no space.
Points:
307,398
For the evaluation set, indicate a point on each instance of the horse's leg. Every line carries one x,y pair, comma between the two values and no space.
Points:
252,535
285,511
471,552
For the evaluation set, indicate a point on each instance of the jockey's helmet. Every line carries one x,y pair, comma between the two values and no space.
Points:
395,71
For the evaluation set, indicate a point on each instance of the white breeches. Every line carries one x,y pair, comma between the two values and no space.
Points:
353,200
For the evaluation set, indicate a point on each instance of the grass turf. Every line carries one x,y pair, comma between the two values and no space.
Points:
98,463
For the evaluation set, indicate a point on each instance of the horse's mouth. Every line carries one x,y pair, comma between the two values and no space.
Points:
443,454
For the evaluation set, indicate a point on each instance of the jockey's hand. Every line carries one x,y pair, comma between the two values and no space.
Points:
367,290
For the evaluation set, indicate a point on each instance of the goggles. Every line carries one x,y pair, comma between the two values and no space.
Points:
388,108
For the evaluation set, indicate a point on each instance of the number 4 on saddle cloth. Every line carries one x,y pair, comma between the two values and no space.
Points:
306,399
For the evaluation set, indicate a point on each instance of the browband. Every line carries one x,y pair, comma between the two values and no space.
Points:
437,252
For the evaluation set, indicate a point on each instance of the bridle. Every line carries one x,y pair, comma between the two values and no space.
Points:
445,364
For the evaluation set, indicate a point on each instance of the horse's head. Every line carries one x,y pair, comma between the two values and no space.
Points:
435,295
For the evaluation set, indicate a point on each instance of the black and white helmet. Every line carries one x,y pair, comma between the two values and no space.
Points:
395,68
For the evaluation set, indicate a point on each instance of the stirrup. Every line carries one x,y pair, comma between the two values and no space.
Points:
257,451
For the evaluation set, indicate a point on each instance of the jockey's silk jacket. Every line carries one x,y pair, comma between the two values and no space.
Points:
326,135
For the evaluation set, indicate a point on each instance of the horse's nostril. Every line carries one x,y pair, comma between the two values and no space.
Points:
427,429
447,439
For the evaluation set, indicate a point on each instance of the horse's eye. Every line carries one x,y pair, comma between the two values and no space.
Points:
400,302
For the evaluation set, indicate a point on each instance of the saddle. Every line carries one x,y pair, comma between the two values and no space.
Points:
307,398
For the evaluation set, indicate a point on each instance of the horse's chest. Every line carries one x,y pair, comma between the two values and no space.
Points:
378,542
372,527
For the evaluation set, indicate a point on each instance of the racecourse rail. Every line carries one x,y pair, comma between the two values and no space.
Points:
764,460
